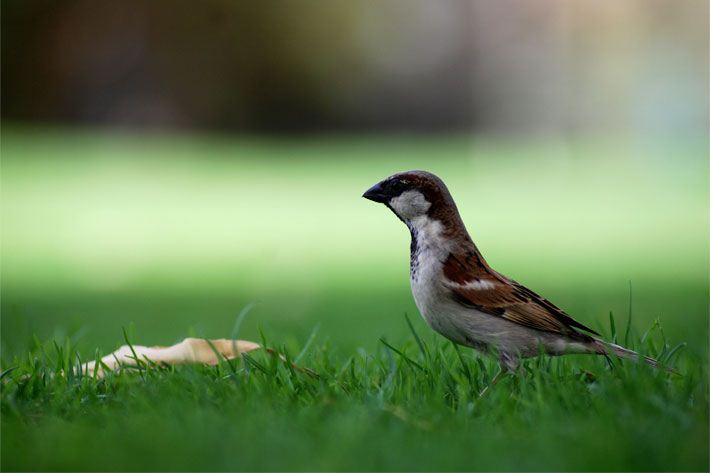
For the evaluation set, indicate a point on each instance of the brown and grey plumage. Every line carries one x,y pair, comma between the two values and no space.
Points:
462,297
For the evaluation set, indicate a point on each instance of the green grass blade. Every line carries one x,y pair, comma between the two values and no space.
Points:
311,337
240,319
7,372
403,356
139,362
420,343
628,323
464,366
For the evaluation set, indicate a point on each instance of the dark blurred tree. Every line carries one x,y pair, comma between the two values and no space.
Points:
269,65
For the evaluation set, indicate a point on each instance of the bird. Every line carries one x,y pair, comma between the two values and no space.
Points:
463,298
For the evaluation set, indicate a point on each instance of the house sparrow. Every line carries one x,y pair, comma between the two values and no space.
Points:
461,297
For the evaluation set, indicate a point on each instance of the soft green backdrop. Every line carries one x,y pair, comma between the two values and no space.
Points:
172,235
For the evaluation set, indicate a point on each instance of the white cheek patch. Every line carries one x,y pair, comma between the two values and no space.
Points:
410,204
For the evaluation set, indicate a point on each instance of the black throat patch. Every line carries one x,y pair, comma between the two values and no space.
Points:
413,254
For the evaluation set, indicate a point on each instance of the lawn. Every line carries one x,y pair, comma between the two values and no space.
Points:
171,236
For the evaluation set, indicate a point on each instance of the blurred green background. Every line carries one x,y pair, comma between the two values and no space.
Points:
165,164
176,234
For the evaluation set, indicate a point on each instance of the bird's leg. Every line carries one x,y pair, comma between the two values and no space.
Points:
496,378
508,363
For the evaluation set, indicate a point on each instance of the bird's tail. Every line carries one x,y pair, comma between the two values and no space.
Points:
607,348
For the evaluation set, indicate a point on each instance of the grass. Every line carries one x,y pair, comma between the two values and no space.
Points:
169,236
413,406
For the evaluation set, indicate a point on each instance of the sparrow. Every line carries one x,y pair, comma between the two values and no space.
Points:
462,297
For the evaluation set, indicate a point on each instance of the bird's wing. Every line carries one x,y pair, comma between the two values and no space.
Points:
474,284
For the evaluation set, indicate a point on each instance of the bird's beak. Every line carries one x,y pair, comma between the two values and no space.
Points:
377,193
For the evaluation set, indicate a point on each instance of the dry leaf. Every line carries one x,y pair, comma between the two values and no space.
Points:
189,351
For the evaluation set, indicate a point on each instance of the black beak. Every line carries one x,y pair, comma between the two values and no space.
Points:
377,193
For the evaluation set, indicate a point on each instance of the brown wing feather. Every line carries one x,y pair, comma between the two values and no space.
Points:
497,295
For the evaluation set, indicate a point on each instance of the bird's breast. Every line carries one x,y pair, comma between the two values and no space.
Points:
430,295
429,251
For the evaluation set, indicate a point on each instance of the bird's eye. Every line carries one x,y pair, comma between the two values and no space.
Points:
398,185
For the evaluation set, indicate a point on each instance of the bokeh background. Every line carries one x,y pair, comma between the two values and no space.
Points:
167,163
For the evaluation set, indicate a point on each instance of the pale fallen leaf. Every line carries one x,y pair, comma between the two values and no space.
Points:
188,351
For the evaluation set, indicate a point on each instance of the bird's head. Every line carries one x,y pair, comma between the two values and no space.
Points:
413,196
